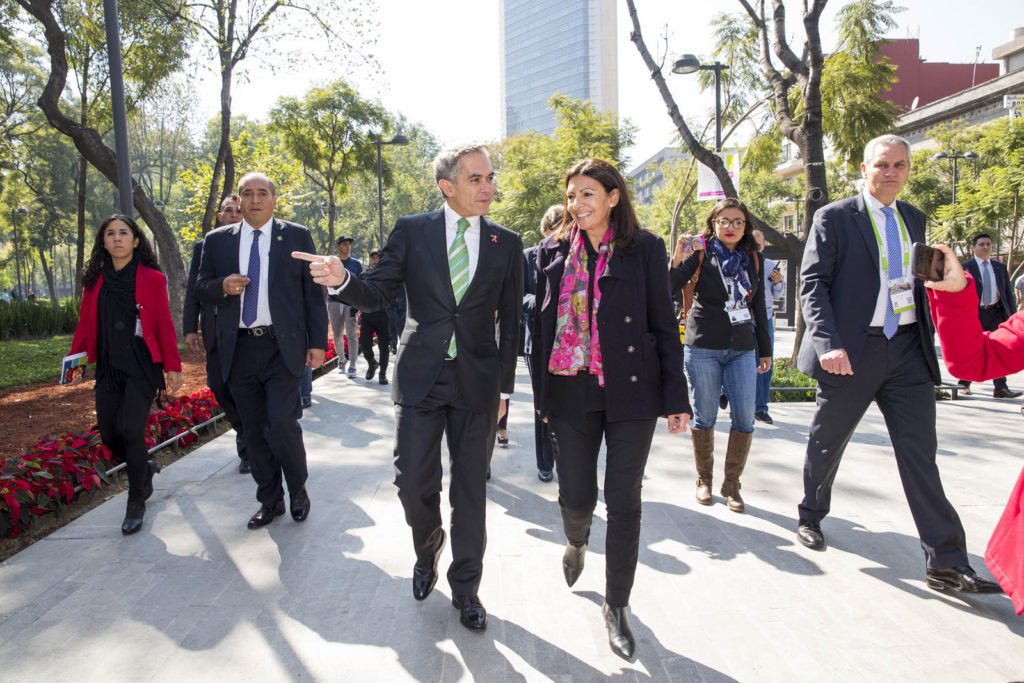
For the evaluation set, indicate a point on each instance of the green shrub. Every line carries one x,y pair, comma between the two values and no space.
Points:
785,375
21,319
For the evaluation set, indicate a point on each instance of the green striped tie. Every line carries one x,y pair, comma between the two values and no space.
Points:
458,266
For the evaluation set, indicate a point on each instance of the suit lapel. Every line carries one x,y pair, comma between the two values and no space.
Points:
554,270
862,222
235,242
437,250
276,229
487,255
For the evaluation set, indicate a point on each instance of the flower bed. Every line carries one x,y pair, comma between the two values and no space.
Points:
43,479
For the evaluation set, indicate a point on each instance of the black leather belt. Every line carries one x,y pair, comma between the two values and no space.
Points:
261,331
985,308
902,329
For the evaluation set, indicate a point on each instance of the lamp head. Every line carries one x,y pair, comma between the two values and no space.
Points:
687,64
21,211
940,156
399,140
971,155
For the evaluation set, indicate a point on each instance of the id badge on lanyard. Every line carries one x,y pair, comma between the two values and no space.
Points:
738,312
901,289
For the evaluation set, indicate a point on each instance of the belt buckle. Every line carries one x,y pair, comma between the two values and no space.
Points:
257,331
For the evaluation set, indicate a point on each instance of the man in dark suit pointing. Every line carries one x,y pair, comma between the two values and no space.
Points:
271,326
869,338
462,275
996,301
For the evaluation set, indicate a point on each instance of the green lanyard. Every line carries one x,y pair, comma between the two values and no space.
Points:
881,246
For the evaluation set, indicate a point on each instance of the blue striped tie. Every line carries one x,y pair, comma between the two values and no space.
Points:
894,253
458,266
251,298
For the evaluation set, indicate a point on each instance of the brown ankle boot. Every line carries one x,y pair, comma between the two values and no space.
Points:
704,458
735,460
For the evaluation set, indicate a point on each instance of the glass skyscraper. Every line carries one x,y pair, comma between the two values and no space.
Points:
550,46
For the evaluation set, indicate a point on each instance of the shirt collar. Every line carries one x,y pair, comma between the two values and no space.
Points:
249,228
980,261
451,217
875,204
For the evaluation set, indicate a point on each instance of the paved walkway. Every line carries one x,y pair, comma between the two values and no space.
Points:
718,596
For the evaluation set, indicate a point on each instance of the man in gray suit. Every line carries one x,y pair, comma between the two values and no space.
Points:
869,338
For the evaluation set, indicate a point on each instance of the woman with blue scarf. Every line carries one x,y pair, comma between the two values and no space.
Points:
727,340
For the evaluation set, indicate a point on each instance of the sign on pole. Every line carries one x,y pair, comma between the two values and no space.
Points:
708,186
1015,103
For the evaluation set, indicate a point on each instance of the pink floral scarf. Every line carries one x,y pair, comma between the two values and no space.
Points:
577,345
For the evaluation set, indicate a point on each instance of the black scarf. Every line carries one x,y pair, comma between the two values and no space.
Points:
121,352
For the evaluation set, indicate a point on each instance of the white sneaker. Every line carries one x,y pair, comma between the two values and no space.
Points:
352,371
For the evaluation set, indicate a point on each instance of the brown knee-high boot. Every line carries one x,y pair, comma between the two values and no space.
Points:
735,460
704,458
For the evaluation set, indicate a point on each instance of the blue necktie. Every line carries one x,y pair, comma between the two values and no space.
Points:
251,298
986,283
894,253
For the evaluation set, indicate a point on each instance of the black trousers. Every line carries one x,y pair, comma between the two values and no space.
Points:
541,432
121,414
892,373
215,380
267,396
370,323
991,319
470,434
628,445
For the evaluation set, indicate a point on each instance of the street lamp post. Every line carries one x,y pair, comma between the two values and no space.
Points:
397,140
20,211
955,158
688,64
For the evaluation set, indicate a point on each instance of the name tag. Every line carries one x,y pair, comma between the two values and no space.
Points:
901,294
138,326
739,316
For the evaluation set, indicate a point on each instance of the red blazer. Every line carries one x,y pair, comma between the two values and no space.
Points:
969,352
154,313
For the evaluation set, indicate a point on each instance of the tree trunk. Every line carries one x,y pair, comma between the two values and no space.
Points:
51,286
91,146
220,177
83,180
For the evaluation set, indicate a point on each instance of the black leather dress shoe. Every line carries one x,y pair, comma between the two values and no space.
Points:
1005,393
472,614
810,536
763,416
151,469
133,517
300,505
243,466
265,515
961,578
545,475
572,562
424,578
383,379
620,636
372,370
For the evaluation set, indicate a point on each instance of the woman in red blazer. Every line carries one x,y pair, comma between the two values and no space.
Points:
973,354
125,328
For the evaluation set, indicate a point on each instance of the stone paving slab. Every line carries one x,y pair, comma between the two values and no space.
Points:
718,596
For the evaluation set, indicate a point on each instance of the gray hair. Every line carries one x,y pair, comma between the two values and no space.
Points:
256,175
888,140
447,163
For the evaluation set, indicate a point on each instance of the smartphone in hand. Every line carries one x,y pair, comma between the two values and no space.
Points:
927,263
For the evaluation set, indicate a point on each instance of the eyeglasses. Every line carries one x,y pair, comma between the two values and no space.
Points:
736,222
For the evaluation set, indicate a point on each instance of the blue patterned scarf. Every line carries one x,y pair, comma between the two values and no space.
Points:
734,264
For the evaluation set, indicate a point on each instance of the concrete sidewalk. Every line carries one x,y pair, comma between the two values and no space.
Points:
718,596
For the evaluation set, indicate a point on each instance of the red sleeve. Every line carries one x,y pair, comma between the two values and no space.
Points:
969,352
166,337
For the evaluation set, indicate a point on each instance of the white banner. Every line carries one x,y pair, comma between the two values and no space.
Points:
708,186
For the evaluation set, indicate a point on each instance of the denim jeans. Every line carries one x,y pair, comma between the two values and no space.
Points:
708,371
764,380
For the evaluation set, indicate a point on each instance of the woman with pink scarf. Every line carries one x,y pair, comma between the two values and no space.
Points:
606,333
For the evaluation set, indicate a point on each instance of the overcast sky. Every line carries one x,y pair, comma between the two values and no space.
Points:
436,53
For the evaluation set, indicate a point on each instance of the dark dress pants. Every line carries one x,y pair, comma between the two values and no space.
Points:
121,414
895,375
541,432
470,434
628,445
267,396
370,323
215,380
991,319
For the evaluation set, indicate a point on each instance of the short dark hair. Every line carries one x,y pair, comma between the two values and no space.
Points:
980,236
375,252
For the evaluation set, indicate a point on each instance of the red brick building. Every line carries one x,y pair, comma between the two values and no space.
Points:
929,81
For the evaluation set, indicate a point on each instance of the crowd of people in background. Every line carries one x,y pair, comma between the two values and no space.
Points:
590,309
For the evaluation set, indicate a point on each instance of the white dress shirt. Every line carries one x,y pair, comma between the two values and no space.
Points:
244,246
991,295
875,208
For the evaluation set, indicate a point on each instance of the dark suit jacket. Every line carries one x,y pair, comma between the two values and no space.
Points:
1007,299
839,283
196,314
529,297
297,305
416,257
643,359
